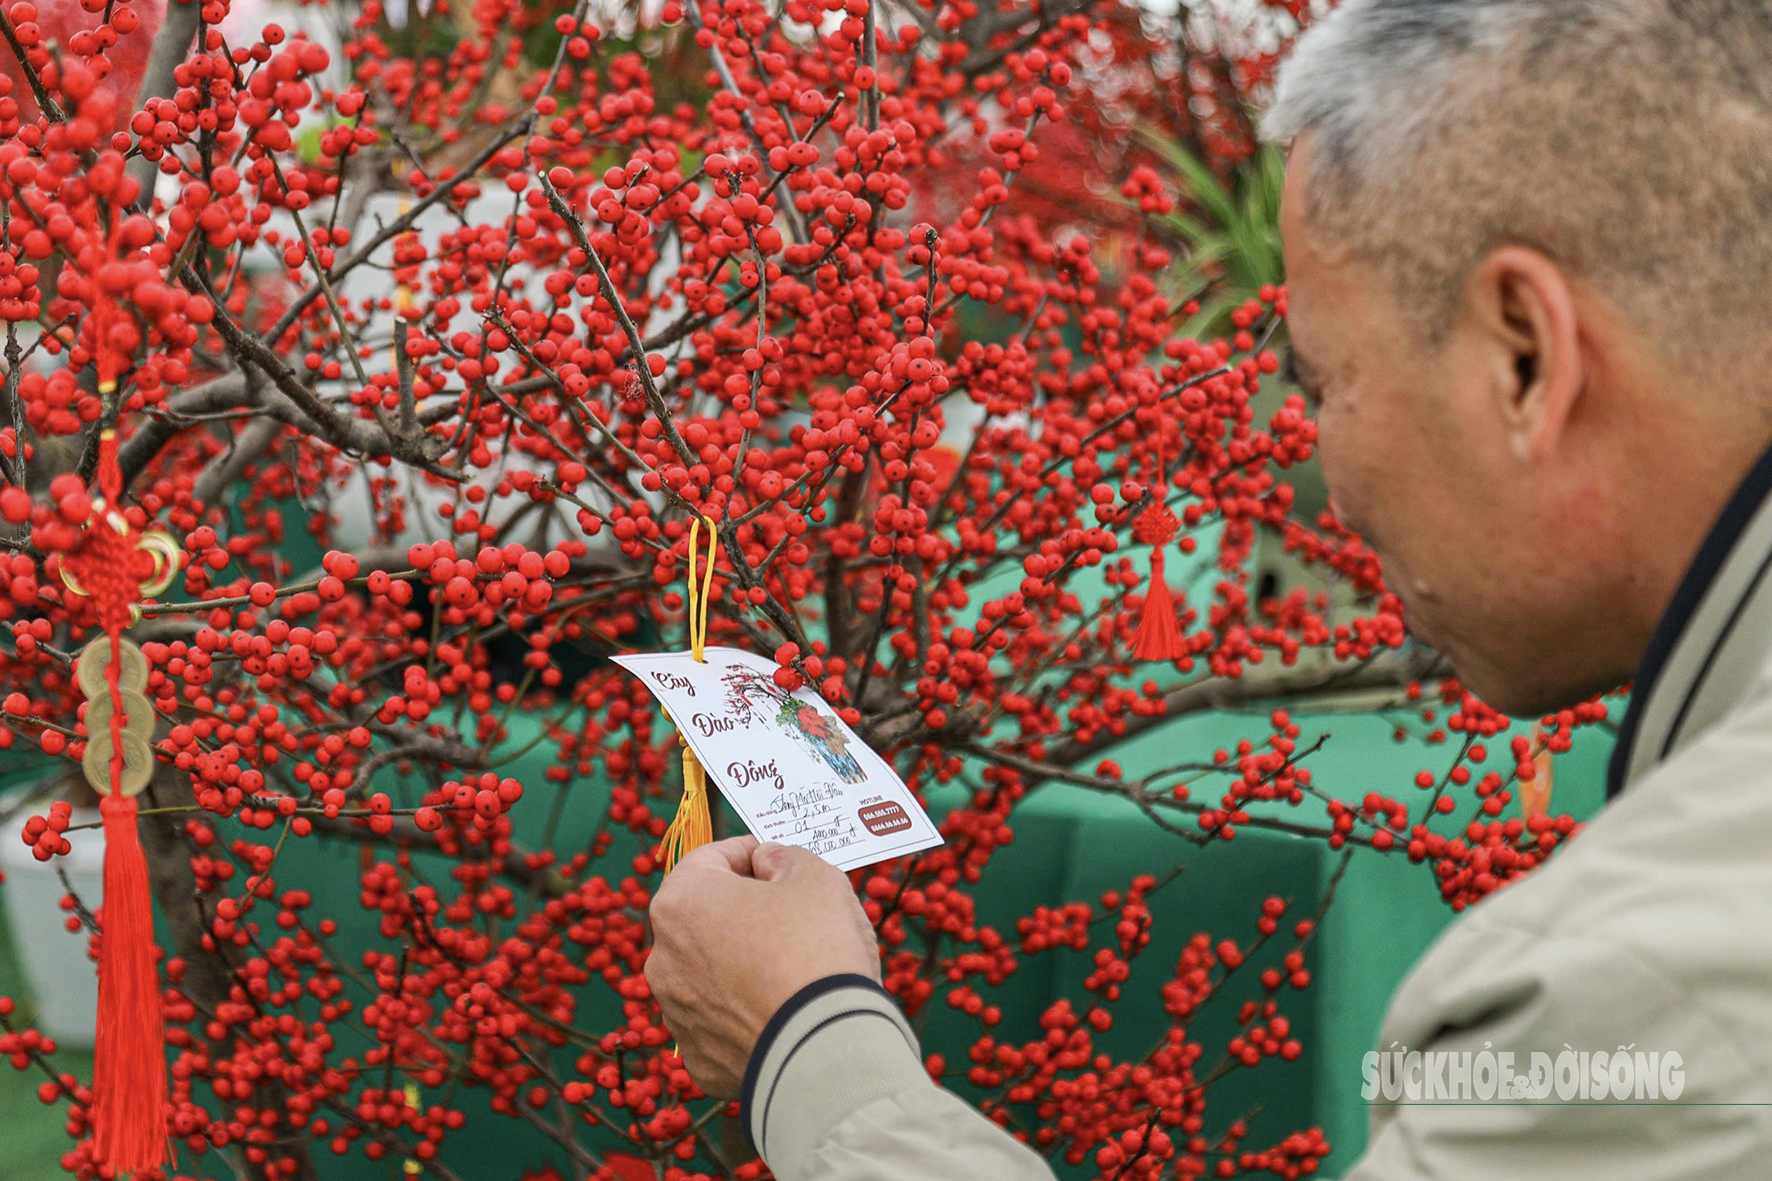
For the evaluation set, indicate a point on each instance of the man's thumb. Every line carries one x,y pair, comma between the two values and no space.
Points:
772,860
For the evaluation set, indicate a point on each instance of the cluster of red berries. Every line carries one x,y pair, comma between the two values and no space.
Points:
883,302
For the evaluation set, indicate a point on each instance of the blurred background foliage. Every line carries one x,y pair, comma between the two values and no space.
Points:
1226,230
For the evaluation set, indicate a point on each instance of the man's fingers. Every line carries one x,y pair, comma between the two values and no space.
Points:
771,860
732,854
686,894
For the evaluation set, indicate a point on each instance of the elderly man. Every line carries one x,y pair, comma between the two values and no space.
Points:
1529,246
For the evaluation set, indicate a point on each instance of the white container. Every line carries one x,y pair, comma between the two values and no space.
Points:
63,978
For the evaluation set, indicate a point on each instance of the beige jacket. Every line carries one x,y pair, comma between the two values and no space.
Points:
1651,932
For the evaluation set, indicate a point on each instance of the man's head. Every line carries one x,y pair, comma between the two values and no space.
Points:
1529,253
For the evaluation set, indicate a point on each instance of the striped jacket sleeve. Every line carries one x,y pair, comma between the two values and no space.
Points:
836,1091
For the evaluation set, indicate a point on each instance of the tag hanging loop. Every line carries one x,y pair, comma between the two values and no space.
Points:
693,826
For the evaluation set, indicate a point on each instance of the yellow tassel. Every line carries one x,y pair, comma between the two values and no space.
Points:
693,825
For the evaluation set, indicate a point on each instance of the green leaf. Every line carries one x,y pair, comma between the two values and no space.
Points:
1230,230
1203,186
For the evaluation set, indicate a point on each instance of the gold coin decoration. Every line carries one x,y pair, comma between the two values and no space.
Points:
138,715
89,668
138,762
157,545
166,553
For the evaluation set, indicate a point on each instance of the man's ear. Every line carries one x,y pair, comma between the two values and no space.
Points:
1523,310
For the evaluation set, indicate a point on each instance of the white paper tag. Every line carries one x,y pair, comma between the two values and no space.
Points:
785,761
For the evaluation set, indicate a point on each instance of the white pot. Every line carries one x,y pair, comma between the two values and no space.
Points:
63,978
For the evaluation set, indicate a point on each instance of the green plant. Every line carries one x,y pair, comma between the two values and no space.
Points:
1228,231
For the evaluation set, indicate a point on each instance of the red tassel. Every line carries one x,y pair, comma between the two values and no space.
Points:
1159,636
129,1068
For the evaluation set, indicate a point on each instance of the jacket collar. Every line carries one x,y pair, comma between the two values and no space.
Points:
1709,647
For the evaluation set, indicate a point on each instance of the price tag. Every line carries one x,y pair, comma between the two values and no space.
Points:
785,761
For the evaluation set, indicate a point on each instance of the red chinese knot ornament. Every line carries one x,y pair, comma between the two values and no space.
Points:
1159,635
114,566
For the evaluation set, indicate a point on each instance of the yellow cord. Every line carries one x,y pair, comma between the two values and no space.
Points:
698,595
693,826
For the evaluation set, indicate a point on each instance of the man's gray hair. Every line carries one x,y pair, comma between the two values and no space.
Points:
1630,140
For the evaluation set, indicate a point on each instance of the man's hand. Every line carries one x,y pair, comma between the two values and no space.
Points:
738,928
